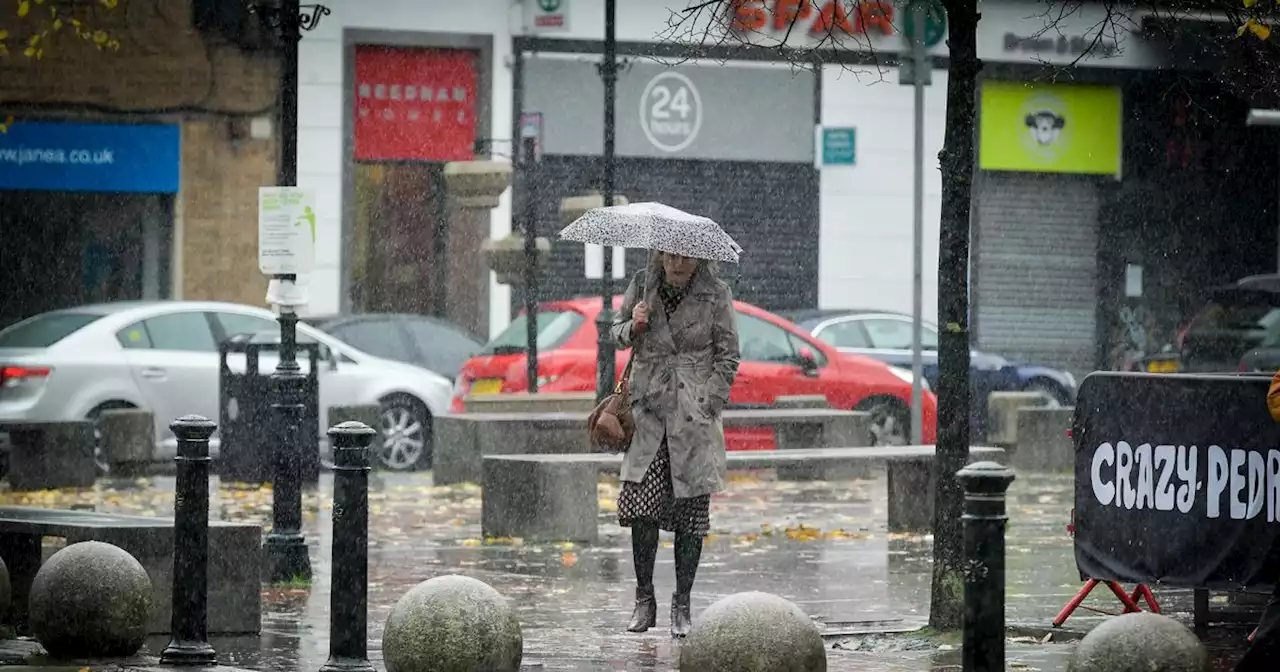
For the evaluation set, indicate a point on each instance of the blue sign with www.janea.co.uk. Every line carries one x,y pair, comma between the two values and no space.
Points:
839,146
47,156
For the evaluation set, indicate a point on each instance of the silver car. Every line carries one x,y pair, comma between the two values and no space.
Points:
163,356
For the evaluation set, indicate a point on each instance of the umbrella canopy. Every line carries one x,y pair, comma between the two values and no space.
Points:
654,226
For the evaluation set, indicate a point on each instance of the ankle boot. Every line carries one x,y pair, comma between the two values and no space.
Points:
681,620
645,615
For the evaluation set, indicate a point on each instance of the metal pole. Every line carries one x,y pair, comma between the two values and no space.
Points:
189,643
349,587
528,147
286,549
985,486
605,368
920,59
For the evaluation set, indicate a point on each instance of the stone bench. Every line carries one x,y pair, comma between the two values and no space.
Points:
1043,441
235,560
1002,415
44,456
554,497
462,440
525,402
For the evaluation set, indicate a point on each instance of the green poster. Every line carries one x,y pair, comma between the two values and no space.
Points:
1050,128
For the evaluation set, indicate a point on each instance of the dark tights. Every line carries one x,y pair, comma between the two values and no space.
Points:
644,551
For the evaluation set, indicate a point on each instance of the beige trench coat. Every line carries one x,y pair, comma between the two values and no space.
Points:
680,381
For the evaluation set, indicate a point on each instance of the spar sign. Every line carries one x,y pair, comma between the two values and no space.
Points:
801,22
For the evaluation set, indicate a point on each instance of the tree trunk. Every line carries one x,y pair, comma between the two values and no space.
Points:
946,612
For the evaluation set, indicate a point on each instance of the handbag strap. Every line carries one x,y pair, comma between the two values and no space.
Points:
635,341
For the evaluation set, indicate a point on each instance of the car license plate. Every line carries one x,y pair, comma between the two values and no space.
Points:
1162,366
487,386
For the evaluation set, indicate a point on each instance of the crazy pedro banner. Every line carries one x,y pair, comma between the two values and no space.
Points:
1177,480
1050,128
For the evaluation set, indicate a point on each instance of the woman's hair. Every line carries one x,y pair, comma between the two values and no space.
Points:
704,265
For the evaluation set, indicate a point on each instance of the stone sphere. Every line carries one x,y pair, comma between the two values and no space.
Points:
452,624
1140,642
90,600
753,632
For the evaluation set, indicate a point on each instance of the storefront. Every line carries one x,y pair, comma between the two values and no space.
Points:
88,212
733,142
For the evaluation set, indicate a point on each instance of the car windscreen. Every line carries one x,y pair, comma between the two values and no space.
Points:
1239,310
554,328
44,330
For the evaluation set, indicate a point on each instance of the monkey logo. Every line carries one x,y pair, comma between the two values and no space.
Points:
1046,133
1045,126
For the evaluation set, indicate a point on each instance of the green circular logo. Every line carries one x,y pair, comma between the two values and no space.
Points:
549,5
935,23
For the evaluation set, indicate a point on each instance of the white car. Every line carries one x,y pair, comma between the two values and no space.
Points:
163,356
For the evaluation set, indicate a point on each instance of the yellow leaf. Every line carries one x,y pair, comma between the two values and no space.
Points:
24,8
35,39
1250,3
1261,31
99,37
29,51
4,34
57,24
110,4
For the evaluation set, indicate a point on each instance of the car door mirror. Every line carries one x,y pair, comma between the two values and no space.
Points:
807,361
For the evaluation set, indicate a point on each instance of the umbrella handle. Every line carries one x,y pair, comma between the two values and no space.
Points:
638,328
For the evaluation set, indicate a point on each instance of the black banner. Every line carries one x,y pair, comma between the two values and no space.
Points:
1177,480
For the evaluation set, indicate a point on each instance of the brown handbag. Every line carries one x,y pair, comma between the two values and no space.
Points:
611,425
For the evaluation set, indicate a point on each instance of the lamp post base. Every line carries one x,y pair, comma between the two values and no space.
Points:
347,665
287,558
188,653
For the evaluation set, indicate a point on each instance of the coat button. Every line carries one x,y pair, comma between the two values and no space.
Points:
688,418
680,385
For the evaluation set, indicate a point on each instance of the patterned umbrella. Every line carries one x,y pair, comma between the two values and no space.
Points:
654,226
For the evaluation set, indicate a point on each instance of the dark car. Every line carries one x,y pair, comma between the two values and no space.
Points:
886,336
429,342
1236,330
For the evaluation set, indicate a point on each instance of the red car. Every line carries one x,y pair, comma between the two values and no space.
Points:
778,359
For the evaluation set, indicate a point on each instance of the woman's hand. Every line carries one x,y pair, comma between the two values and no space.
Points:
640,313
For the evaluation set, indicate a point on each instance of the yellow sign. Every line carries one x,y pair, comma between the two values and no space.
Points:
1050,128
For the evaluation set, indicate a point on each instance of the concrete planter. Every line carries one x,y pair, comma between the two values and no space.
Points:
477,184
505,257
576,206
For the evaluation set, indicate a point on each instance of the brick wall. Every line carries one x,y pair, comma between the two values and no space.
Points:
219,243
165,70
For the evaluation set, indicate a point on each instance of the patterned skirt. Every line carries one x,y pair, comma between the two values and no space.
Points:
653,500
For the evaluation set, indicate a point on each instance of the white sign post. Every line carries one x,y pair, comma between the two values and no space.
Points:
286,240
670,112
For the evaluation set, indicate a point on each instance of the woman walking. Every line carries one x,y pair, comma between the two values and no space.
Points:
679,319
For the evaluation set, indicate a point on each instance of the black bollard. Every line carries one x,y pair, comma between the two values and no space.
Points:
189,644
349,587
985,485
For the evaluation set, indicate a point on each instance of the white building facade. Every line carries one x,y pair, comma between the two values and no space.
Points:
826,157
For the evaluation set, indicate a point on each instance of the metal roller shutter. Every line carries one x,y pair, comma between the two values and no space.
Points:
771,209
1036,285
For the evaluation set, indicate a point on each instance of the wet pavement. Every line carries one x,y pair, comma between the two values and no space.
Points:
822,545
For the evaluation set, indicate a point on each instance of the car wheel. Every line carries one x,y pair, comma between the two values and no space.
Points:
99,442
406,434
890,422
1055,396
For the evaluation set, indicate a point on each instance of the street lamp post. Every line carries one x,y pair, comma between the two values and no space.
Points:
285,546
605,375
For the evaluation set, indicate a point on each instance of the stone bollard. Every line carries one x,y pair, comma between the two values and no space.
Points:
452,623
1140,642
753,632
985,485
349,587
189,643
90,600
